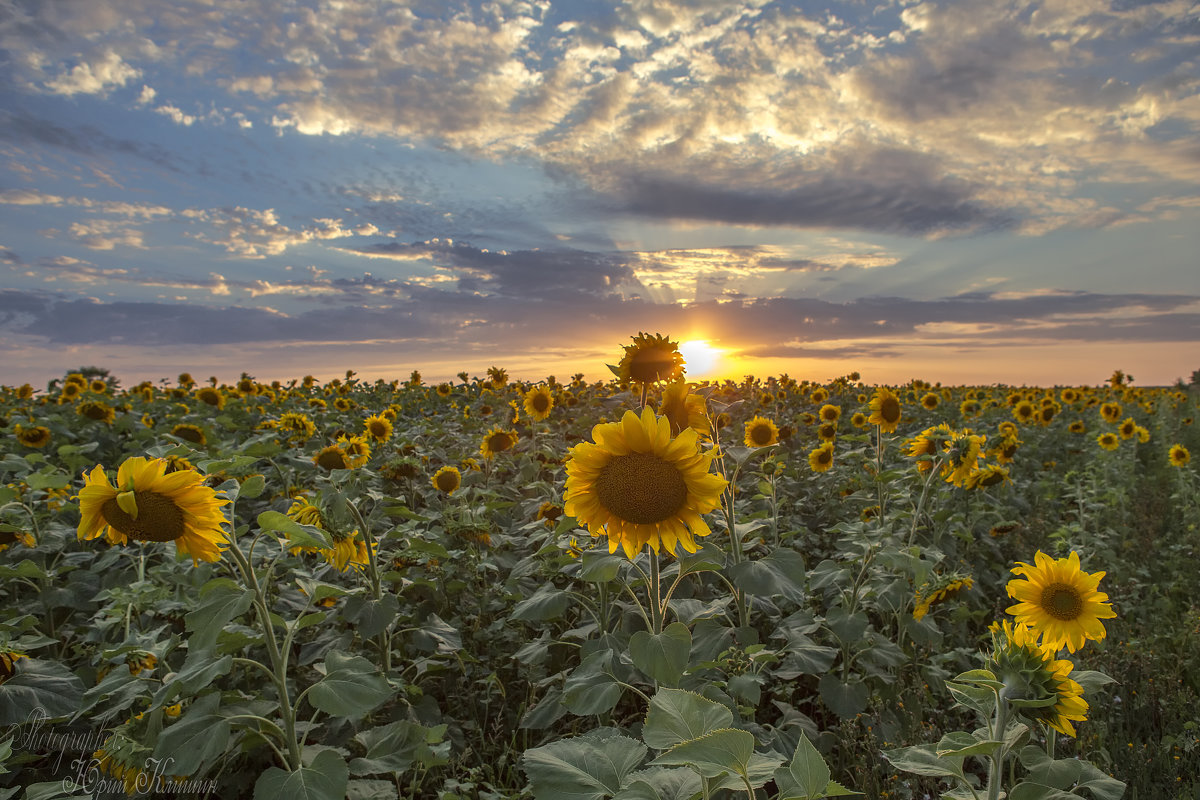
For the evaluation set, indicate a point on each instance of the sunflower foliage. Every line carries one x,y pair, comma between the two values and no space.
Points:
651,587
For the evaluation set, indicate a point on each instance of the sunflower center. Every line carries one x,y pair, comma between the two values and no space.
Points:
651,364
499,441
889,410
541,403
760,434
158,520
641,488
194,435
824,456
1062,601
332,458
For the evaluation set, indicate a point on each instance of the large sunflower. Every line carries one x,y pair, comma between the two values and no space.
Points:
760,432
649,359
148,505
885,410
821,459
1059,601
539,402
640,486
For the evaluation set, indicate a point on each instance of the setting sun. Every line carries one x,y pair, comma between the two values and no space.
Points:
701,358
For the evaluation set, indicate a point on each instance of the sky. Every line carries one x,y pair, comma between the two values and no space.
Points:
969,192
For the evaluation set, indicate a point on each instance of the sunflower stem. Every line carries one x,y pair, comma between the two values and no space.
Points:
385,640
996,767
655,591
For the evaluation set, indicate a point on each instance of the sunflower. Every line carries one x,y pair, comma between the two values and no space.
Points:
70,391
32,437
539,402
640,486
378,427
303,511
549,513
1047,413
8,662
1059,601
649,359
349,550
859,420
930,401
1111,412
1032,675
299,427
1142,434
1077,427
190,433
830,413
885,410
497,440
986,477
684,410
1024,412
498,377
332,457
343,404
760,432
212,396
443,390
148,505
926,446
1179,456
821,459
819,395
969,408
1108,441
1128,428
946,587
962,450
447,479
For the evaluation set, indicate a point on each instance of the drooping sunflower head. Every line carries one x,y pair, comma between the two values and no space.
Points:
684,410
298,427
1077,426
447,479
190,433
349,550
549,513
539,402
149,505
1179,456
651,358
497,440
885,410
37,436
378,427
639,486
443,389
1059,601
821,459
940,589
760,432
987,477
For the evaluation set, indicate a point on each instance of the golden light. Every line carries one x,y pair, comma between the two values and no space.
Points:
701,358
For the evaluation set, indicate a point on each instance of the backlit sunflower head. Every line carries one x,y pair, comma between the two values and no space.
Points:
651,358
190,433
210,395
149,505
378,427
760,432
885,410
1059,601
638,485
684,410
539,402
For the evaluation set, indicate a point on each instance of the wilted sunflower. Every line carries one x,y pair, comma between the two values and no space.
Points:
821,459
945,587
303,511
885,410
760,432
36,436
539,402
496,441
190,433
1179,456
649,359
684,410
1059,601
349,550
1034,674
447,479
639,486
1108,441
378,427
212,396
148,505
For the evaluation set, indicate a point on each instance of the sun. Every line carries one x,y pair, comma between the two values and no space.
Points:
700,357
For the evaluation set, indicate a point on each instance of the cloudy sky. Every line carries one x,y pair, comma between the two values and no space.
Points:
977,191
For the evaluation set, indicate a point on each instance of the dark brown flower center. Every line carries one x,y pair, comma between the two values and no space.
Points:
1062,601
889,410
652,364
447,481
158,520
332,458
541,402
641,488
760,434
499,441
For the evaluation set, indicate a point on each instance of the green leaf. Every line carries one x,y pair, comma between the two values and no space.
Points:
781,573
253,487
1102,787
1027,790
548,602
198,737
922,760
221,600
199,669
974,697
759,772
1091,680
37,684
980,677
591,687
325,778
298,535
350,688
396,747
726,751
597,566
370,616
588,767
662,656
676,716
439,635
848,627
546,712
660,783
844,698
370,790
806,777
961,743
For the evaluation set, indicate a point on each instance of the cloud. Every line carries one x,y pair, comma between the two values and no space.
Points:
106,71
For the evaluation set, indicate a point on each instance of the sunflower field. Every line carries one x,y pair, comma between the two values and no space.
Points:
633,589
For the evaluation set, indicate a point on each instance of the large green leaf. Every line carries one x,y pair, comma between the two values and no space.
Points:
726,751
591,687
922,760
351,686
844,698
370,616
676,716
806,777
660,783
396,747
37,684
326,778
221,601
198,737
548,602
779,573
597,566
589,767
199,669
298,535
662,656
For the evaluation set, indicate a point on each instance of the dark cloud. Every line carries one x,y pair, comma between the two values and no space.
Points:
23,128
